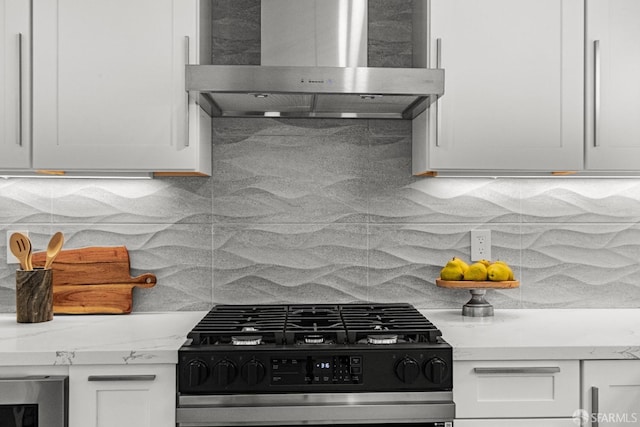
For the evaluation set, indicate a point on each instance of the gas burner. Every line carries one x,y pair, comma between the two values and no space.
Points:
313,339
246,340
382,339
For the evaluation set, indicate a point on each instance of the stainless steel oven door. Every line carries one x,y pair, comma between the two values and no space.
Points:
34,401
416,408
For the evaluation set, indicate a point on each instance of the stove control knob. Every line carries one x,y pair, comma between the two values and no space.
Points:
252,372
436,370
197,372
407,369
224,373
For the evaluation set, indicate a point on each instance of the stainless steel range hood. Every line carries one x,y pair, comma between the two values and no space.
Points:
323,92
314,65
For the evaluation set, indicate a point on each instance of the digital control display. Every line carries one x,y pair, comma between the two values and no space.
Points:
317,370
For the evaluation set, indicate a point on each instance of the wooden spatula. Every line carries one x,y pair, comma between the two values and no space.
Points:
20,246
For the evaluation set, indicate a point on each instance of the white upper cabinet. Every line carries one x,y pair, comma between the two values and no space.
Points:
15,39
109,86
513,87
613,85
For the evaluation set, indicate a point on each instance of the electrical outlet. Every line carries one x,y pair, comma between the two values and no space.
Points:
480,245
10,258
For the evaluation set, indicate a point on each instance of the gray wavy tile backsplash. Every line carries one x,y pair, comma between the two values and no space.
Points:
327,211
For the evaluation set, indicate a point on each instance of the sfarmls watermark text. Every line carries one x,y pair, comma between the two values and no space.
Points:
581,416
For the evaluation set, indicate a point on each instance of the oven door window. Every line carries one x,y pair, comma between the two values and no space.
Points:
18,415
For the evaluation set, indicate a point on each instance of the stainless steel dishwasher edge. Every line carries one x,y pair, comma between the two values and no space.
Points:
34,401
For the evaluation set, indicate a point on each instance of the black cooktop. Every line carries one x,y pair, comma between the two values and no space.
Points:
388,324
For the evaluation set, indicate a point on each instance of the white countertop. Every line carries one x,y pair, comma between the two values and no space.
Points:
140,338
541,334
95,339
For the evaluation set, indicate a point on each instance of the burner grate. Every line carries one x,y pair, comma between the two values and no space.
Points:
402,320
313,324
224,322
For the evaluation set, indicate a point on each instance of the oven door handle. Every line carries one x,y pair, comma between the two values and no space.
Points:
325,414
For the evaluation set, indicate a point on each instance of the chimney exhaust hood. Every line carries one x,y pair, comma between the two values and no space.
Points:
323,92
313,64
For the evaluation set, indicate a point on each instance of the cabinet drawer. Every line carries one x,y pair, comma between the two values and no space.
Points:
502,389
122,395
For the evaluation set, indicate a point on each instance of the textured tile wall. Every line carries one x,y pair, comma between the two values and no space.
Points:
327,211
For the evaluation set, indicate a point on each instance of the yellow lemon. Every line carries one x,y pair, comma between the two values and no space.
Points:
451,272
463,265
477,271
497,272
510,277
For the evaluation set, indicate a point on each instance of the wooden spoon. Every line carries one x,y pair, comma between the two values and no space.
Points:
20,246
53,249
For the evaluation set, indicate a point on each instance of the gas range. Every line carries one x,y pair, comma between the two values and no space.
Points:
267,356
284,348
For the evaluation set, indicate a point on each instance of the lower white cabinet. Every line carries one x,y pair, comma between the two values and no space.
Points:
535,389
611,392
122,396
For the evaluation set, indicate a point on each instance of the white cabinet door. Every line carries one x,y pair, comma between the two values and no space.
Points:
109,85
513,86
15,39
516,389
611,388
122,396
613,86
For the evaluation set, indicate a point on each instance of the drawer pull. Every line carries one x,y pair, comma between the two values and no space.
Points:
122,377
518,370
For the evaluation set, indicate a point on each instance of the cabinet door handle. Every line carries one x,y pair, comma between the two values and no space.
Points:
437,103
594,407
518,370
20,89
121,378
596,91
187,42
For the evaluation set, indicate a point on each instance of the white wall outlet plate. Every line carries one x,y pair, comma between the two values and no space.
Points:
10,258
480,245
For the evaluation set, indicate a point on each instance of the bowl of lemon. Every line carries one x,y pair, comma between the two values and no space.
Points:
477,278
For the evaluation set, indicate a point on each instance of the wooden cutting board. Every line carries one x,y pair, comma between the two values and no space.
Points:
93,280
